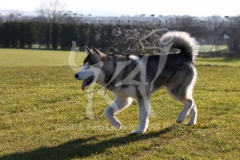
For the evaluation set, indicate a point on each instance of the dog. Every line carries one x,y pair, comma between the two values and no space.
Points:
138,76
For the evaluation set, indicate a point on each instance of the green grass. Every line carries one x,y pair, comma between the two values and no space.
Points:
211,48
43,115
23,57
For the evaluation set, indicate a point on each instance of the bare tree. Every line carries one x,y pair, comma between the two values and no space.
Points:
70,17
182,22
235,29
51,11
212,25
237,24
14,16
124,39
1,19
136,39
213,22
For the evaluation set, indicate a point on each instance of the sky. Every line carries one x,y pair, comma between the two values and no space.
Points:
132,7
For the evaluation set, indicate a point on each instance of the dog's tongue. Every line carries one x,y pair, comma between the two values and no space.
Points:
84,84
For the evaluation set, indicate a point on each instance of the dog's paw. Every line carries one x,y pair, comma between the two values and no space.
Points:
180,118
178,121
117,124
189,123
137,132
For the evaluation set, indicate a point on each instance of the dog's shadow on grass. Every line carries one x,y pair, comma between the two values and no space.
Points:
80,148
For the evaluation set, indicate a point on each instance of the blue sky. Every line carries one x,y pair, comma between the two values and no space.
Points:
128,7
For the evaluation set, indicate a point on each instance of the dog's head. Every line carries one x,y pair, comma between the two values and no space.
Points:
92,68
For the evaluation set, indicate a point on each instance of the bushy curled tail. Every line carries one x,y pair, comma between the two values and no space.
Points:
181,40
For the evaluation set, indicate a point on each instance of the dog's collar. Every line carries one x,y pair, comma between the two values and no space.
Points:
107,80
105,91
106,85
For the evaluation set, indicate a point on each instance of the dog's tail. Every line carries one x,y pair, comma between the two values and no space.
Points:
180,40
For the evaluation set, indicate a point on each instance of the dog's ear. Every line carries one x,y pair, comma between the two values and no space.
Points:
96,53
87,50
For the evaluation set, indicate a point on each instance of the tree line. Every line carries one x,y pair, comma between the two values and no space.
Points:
56,28
58,35
25,34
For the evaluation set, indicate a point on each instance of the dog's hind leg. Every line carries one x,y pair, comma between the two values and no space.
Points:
188,104
185,96
189,107
193,115
118,105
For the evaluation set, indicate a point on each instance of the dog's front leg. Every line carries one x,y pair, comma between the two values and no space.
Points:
144,110
118,105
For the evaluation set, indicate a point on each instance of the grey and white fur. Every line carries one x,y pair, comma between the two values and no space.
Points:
131,76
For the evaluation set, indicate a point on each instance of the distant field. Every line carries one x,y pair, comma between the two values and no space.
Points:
24,57
218,62
211,48
19,57
202,48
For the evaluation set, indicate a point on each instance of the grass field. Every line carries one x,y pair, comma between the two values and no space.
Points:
20,57
218,62
210,48
45,115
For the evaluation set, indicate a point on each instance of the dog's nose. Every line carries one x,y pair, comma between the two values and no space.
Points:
76,76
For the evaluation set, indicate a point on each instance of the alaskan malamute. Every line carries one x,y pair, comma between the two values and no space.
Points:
138,76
